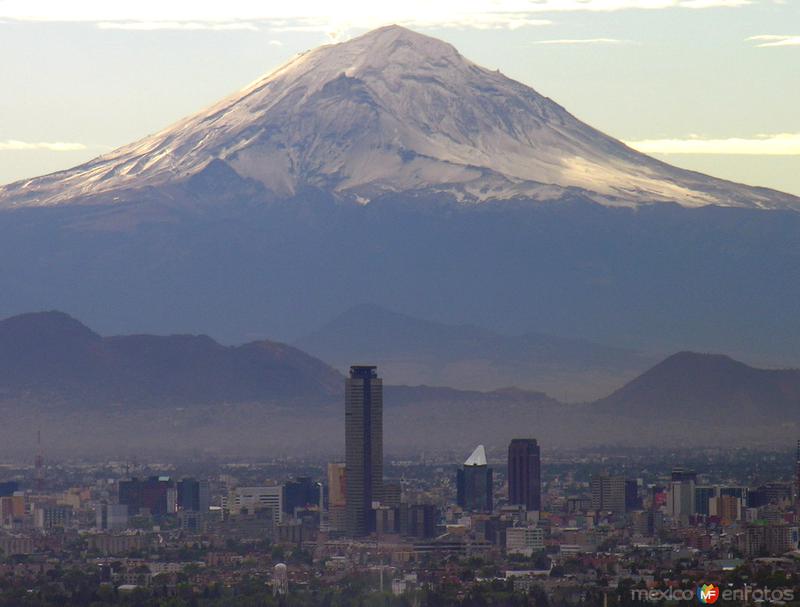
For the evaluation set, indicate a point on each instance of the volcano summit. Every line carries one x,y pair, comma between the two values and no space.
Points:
392,111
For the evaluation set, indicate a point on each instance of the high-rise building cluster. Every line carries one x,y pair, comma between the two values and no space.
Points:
361,502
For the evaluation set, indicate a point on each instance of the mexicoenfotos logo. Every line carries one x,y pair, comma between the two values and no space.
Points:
708,594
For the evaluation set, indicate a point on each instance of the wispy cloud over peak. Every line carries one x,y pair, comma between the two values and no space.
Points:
585,41
177,25
699,4
326,17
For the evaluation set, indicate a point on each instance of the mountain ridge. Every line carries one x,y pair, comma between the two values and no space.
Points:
62,353
417,351
187,394
689,385
52,356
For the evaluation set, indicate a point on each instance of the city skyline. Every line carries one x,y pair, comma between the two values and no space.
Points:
468,304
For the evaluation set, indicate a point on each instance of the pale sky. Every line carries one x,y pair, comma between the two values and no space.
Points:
711,85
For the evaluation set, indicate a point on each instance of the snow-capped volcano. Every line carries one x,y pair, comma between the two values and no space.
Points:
392,111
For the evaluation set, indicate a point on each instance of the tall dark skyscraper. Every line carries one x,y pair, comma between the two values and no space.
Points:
152,494
474,483
525,473
299,493
363,446
193,495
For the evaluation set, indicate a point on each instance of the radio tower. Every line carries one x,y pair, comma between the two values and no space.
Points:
39,463
797,479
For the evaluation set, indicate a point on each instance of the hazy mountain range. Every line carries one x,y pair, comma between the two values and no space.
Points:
53,358
184,394
414,351
390,169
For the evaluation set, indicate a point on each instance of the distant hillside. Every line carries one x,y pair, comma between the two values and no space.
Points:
50,356
414,351
689,386
397,396
185,394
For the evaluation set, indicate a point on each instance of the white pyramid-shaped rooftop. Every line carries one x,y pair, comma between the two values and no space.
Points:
478,457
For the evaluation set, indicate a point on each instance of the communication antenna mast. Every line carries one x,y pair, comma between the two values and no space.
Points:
797,478
39,463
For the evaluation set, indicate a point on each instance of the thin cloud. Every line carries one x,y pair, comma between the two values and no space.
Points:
700,4
769,40
275,43
321,15
778,144
149,26
51,146
585,41
482,21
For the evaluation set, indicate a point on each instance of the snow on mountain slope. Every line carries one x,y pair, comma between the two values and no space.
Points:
393,111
